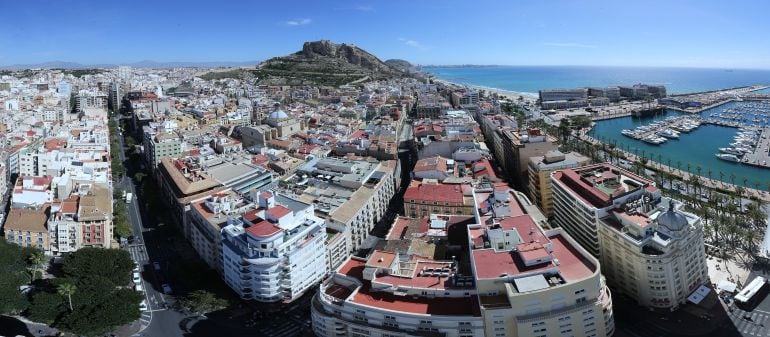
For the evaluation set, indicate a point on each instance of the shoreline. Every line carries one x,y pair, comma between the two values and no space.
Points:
501,92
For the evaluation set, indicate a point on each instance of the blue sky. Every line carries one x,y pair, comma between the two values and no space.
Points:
729,34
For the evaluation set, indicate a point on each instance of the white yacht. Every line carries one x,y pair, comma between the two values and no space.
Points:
728,157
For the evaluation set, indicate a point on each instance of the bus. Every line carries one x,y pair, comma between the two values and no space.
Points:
752,293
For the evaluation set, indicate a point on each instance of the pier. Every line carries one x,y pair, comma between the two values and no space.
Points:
657,132
761,154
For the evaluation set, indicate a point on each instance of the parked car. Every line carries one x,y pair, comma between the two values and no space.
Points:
166,288
143,306
138,287
156,265
137,277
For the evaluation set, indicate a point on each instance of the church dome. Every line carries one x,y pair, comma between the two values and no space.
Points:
673,220
278,114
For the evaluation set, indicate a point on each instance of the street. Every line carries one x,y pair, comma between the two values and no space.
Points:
139,253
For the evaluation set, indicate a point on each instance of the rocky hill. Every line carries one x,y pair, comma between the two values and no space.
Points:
326,63
402,65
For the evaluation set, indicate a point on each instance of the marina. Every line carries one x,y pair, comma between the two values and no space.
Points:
659,132
695,151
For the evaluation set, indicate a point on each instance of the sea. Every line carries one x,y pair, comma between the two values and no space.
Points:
530,79
697,148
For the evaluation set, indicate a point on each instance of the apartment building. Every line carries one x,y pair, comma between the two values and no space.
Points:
206,219
583,195
27,227
494,273
531,281
160,145
514,148
653,251
539,172
423,198
275,252
350,194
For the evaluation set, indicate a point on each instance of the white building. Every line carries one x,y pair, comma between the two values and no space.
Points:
275,252
653,252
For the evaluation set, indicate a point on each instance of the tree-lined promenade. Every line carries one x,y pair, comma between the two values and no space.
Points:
710,183
732,223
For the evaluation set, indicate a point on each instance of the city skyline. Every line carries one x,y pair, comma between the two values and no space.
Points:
711,35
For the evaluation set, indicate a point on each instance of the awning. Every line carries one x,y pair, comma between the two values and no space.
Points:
699,294
727,286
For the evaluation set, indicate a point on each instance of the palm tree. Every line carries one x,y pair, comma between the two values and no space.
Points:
732,178
722,177
739,191
679,166
698,169
36,261
67,290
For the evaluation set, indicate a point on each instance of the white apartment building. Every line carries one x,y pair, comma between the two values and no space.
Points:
275,252
653,252
583,195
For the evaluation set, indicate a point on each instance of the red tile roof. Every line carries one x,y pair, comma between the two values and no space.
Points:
434,192
380,259
277,212
353,267
263,229
445,306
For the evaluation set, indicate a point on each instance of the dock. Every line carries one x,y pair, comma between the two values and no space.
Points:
761,155
671,124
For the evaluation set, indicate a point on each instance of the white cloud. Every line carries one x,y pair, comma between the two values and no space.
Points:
364,8
299,22
412,43
569,45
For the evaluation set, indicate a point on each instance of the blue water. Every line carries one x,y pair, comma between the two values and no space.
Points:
696,148
533,78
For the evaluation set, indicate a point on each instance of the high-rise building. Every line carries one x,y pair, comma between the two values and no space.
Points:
540,169
275,252
516,148
650,249
653,252
583,195
161,145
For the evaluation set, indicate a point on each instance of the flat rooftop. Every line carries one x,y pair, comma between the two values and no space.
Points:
445,306
598,184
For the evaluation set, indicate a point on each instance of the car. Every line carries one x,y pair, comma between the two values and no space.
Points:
166,288
137,277
143,306
156,265
138,287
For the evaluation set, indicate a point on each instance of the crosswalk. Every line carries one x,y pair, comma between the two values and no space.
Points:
145,319
757,324
138,253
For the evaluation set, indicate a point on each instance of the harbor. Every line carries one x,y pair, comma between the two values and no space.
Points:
694,151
